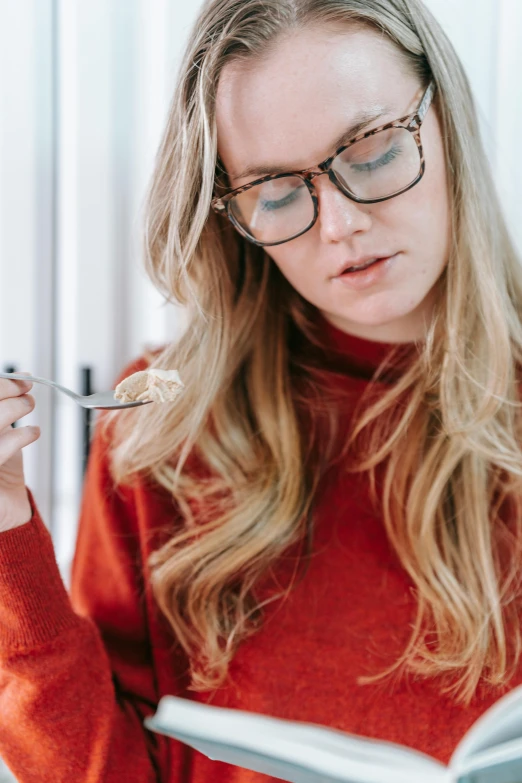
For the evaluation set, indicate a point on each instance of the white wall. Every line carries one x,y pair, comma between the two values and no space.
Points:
486,35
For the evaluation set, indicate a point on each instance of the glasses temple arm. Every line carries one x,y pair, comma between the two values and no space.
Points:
426,101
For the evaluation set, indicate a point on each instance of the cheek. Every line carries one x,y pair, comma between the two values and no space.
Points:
294,262
419,219
431,204
292,258
431,215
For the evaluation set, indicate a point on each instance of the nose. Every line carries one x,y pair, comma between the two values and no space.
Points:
339,217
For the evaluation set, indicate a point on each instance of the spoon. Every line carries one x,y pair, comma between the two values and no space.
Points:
103,400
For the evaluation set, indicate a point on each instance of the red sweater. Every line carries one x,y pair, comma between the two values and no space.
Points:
79,673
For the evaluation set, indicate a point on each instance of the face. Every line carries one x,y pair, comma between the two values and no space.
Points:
286,113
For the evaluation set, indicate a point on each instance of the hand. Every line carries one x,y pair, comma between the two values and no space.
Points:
15,403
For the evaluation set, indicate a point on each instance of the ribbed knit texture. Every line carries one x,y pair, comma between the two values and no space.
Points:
78,674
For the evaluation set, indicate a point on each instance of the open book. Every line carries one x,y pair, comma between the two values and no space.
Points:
491,751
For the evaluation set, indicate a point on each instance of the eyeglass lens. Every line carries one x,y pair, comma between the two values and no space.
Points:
372,168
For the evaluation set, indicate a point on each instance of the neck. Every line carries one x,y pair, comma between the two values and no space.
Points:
411,327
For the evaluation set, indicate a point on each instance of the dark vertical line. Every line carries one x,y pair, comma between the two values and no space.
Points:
11,368
86,390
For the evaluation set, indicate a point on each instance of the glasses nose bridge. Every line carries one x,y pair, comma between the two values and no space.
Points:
311,175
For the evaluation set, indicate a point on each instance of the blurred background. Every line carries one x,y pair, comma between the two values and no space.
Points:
84,90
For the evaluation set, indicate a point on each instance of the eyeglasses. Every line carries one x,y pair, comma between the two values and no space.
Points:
374,166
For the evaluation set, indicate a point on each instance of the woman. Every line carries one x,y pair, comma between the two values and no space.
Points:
327,525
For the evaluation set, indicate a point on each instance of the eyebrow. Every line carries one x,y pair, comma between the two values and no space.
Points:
360,123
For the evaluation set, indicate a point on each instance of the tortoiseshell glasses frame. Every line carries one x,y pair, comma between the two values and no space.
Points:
411,122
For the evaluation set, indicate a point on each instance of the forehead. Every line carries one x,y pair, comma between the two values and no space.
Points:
286,108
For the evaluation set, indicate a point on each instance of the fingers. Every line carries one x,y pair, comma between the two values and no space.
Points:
12,440
15,408
11,388
15,403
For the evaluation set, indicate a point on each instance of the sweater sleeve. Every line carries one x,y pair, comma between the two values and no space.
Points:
76,676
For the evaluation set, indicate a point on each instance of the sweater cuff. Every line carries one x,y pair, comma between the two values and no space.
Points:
34,604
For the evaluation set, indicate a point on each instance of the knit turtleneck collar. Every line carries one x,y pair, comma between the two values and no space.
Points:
360,356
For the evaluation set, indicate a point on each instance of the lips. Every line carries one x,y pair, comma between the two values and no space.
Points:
362,266
360,263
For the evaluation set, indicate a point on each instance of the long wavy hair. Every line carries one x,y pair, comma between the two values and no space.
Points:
231,451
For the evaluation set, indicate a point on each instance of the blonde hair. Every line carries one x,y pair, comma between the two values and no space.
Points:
231,451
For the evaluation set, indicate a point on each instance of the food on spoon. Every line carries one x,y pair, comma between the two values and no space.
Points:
152,385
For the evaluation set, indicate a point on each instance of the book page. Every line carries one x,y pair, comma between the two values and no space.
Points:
501,723
295,772
292,751
502,764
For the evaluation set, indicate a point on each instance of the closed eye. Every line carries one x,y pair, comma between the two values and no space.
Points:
271,205
384,160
